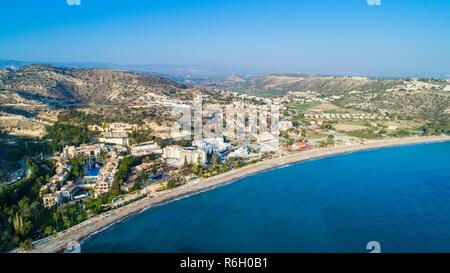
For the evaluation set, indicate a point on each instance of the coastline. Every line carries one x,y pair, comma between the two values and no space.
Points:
101,222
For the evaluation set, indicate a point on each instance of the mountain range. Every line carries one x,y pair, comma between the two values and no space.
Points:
36,85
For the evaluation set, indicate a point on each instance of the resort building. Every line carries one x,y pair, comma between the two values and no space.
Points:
178,155
69,190
145,149
242,152
118,138
103,185
212,145
105,178
89,150
121,127
143,167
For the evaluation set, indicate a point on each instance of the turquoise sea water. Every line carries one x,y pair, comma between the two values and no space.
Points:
399,197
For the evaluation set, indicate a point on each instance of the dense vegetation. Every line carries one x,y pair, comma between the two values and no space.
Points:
22,215
437,128
123,172
61,135
14,149
107,114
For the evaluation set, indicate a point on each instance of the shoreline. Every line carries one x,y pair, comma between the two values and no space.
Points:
99,223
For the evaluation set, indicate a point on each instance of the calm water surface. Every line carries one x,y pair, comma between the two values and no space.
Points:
397,196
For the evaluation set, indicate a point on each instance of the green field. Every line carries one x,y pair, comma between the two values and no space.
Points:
302,106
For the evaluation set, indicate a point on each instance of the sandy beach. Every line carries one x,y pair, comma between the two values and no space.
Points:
59,242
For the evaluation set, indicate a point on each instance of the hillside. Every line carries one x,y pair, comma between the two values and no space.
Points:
276,85
407,98
99,86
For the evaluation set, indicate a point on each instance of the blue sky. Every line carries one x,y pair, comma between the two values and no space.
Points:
399,37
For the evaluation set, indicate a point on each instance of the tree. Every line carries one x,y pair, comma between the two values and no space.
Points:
102,156
214,160
143,176
125,168
165,166
173,183
224,168
48,231
136,186
115,190
195,169
22,220
330,140
77,166
27,244
154,169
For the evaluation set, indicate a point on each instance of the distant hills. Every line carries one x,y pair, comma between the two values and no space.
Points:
406,98
176,72
39,85
280,84
82,85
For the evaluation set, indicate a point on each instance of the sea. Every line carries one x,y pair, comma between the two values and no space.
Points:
396,199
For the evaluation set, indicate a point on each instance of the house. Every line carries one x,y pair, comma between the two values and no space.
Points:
300,146
59,178
143,167
51,199
127,187
285,125
121,127
392,128
95,128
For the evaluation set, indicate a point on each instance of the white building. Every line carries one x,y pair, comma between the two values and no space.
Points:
214,145
392,128
118,138
182,154
146,149
285,125
89,150
242,152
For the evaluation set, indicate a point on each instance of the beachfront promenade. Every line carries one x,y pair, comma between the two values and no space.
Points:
97,223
